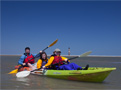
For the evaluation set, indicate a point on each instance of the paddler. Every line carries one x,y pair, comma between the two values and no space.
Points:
56,61
42,61
27,59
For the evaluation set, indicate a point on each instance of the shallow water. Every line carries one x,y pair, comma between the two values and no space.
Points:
9,81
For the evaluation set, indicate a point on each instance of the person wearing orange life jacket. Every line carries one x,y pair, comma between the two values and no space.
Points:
42,61
57,61
27,59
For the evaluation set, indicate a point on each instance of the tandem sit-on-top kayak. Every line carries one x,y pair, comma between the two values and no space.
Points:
93,74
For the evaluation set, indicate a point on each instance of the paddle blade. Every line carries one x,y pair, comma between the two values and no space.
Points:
22,74
53,43
85,54
14,71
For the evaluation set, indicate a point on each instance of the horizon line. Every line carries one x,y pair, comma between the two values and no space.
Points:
67,55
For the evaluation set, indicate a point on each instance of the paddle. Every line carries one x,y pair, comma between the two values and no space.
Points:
27,73
16,70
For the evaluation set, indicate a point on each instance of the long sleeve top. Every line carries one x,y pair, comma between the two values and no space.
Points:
41,63
51,60
21,60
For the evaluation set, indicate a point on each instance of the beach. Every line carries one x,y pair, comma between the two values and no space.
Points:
9,81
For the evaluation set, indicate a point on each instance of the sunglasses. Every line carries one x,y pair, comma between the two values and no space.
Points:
58,52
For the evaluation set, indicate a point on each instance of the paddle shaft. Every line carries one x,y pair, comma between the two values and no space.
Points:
44,49
73,58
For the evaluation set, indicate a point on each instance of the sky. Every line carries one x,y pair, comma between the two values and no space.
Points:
81,25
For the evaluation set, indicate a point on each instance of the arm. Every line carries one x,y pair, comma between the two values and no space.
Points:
65,59
39,63
49,61
36,55
21,60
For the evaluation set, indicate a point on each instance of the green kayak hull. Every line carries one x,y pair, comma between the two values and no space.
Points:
93,74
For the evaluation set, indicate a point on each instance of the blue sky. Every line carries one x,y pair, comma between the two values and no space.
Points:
82,26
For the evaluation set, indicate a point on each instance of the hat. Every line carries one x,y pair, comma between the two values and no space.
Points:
57,50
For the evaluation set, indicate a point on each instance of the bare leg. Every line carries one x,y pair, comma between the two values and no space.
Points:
31,66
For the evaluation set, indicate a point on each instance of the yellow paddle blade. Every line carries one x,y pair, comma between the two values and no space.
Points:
53,43
14,71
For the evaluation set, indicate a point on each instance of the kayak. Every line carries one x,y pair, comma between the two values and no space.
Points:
23,68
93,74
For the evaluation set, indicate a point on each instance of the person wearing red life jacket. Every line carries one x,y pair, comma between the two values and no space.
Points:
27,59
56,62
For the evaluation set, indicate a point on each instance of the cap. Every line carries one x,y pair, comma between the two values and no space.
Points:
57,50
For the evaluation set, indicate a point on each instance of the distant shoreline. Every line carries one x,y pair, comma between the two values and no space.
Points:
74,55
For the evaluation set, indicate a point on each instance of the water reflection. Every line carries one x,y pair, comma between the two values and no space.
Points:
23,79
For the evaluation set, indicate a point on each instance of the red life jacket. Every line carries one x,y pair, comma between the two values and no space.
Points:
29,59
57,59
